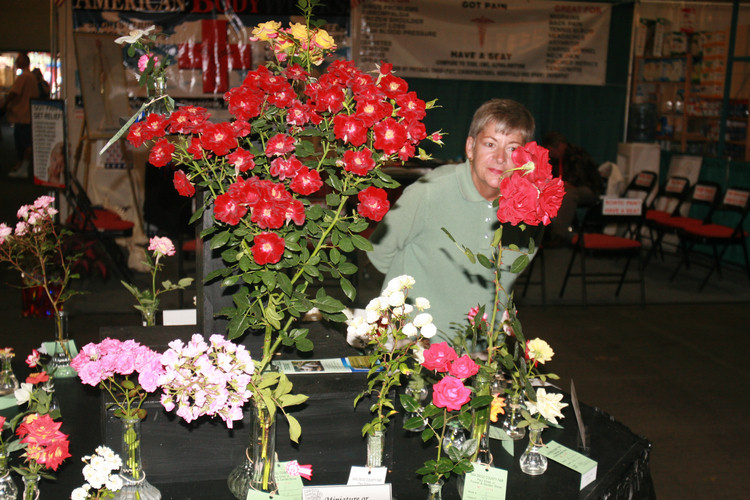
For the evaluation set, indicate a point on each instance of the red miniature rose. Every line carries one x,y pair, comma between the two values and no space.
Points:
464,367
373,203
267,248
439,357
182,184
450,393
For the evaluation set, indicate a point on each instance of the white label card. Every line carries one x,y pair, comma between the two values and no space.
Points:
364,476
372,492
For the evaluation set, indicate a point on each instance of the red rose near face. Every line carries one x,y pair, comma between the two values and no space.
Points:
267,248
450,393
373,203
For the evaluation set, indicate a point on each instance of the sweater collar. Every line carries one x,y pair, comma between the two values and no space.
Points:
466,184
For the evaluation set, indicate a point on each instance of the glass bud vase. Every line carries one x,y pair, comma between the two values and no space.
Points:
8,380
435,491
513,417
375,449
60,359
257,471
160,97
135,486
420,395
8,488
480,423
30,488
532,462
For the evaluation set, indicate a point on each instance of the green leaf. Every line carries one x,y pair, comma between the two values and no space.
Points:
219,240
361,242
295,430
348,288
519,264
484,261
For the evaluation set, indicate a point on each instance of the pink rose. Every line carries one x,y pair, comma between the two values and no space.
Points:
161,245
463,368
439,357
450,393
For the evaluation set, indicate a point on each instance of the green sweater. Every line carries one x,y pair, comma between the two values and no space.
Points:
409,240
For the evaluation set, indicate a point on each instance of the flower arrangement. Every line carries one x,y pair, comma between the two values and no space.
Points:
100,475
452,405
148,300
113,365
35,249
394,336
294,134
45,449
206,378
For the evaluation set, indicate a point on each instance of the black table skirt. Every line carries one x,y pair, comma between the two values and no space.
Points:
192,462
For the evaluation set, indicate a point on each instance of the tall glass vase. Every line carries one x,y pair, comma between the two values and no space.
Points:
257,471
8,380
135,486
532,461
60,362
435,491
30,488
8,488
480,425
513,417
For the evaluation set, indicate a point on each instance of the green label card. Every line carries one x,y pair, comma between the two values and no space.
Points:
573,460
485,483
289,487
505,440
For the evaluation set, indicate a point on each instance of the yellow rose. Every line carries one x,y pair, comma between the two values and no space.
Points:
265,31
299,32
539,350
323,40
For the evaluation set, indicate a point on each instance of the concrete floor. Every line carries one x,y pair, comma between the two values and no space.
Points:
674,371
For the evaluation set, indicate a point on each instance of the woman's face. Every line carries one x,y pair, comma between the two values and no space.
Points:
490,156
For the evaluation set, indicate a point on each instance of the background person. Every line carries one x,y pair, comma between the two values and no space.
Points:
409,239
17,106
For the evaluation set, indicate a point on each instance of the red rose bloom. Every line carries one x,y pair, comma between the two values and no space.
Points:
279,145
295,212
182,184
242,159
161,152
350,129
218,137
550,200
410,106
518,200
373,203
373,109
35,378
154,126
268,214
358,162
390,136
464,367
267,248
247,192
439,357
135,135
285,168
450,393
195,148
226,209
306,181
241,128
392,85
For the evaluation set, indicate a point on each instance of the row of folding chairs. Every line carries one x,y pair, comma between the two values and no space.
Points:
677,212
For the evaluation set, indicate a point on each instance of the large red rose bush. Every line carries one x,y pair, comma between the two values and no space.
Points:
292,178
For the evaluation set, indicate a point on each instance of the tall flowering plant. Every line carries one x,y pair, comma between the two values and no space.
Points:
292,179
395,331
148,300
34,247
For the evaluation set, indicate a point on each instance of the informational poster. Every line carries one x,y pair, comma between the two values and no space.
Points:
48,136
518,41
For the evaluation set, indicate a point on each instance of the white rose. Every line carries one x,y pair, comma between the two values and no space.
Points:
429,330
422,303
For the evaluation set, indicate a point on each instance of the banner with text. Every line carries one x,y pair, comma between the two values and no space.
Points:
517,41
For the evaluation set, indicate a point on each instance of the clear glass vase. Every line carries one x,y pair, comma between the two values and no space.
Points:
59,365
375,448
257,471
8,380
455,435
159,97
8,488
435,491
135,486
480,422
30,488
532,462
513,417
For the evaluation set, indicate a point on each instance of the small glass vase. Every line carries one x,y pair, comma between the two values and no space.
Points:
49,388
30,488
375,449
8,380
420,394
8,488
135,486
159,96
59,365
257,471
513,417
435,490
532,461
149,318
455,435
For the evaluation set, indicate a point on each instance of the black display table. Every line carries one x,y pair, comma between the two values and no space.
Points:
192,462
